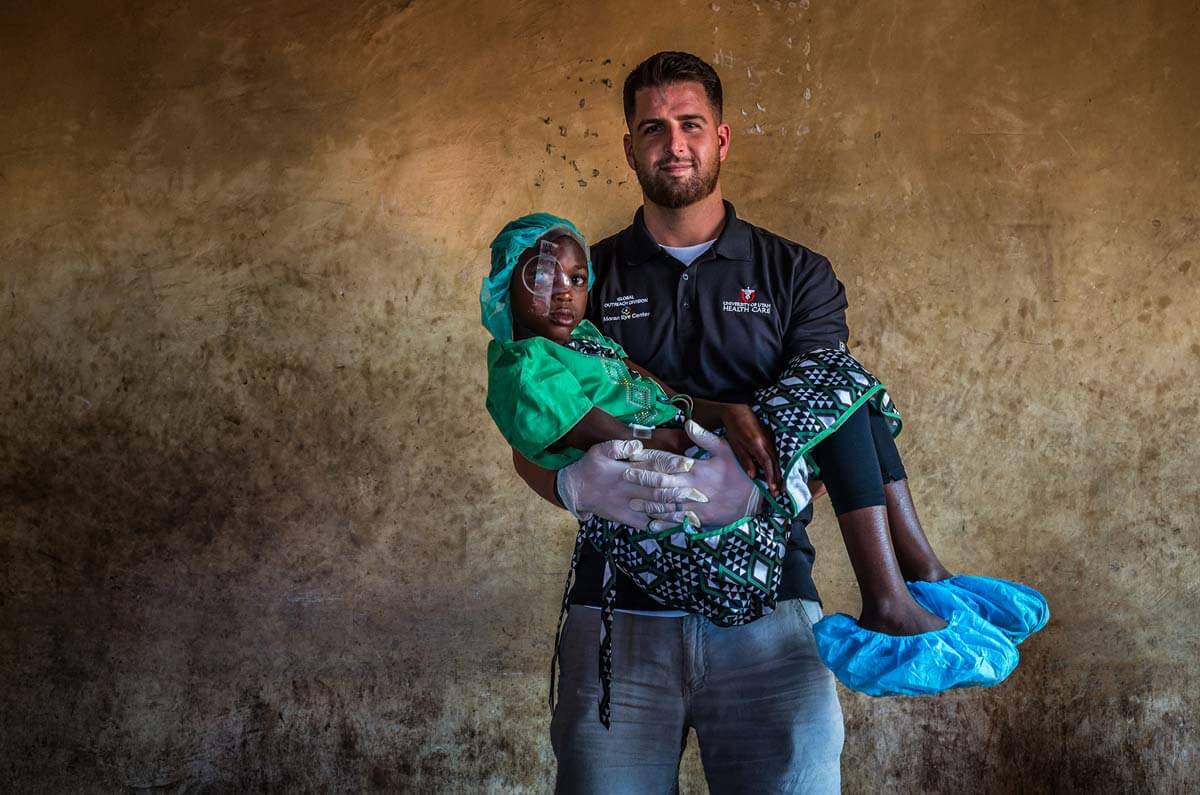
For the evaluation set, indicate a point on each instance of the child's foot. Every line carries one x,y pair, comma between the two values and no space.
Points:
899,618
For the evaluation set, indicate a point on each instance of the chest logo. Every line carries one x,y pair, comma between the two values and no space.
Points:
747,303
625,307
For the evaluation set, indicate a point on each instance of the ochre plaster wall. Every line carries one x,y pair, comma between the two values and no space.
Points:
256,528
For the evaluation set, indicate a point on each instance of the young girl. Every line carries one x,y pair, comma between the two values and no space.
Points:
557,386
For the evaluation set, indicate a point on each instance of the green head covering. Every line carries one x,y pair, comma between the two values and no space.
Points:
515,237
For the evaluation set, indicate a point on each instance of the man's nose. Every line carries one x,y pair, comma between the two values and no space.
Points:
678,142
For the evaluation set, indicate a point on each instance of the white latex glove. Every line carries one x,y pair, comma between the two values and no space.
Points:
730,493
594,484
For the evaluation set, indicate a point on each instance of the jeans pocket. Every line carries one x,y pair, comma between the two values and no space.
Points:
797,618
808,612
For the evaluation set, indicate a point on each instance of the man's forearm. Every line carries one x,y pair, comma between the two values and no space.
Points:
539,479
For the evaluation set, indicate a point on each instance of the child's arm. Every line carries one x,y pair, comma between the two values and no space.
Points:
540,479
600,426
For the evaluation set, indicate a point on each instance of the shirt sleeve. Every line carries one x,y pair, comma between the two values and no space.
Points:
534,400
818,318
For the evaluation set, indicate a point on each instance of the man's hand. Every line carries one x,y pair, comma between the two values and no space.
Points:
595,484
730,493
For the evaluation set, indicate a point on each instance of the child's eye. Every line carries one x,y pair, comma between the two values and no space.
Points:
578,280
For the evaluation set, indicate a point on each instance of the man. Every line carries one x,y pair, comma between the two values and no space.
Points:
715,307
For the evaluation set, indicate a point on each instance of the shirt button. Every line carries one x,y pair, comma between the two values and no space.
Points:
685,277
686,305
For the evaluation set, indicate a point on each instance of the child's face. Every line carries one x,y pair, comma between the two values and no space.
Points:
554,316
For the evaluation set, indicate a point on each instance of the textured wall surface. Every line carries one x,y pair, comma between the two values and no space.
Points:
256,528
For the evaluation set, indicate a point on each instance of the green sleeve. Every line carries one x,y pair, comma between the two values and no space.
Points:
534,400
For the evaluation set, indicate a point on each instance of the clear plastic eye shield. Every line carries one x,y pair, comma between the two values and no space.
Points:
541,273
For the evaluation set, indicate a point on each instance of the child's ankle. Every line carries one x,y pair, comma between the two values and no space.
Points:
930,572
889,606
899,616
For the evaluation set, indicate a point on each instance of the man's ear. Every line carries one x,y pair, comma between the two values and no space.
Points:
629,151
723,135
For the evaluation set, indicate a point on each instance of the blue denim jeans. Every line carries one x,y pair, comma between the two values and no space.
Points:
763,706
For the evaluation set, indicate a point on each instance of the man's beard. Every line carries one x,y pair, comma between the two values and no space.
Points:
672,192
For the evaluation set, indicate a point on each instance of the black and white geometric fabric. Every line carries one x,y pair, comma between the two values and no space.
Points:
592,348
812,398
730,575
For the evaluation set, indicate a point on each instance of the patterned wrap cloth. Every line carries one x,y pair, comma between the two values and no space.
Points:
730,575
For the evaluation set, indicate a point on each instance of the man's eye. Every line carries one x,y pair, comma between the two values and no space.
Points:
578,280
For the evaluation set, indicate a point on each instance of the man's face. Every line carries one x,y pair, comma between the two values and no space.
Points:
675,144
554,316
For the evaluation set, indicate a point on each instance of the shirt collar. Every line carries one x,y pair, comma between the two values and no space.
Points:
734,241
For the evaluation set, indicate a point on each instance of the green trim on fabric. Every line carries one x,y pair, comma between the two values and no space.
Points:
658,535
803,453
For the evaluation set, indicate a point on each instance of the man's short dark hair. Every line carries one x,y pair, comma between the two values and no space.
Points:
664,68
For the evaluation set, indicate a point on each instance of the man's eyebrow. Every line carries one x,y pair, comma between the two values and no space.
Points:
681,117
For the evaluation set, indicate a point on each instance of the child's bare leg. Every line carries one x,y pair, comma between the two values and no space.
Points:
852,473
913,550
888,607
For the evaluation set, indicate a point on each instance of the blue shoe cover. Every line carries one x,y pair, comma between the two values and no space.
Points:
1015,609
968,652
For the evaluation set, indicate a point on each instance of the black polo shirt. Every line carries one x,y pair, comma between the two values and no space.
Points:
719,329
